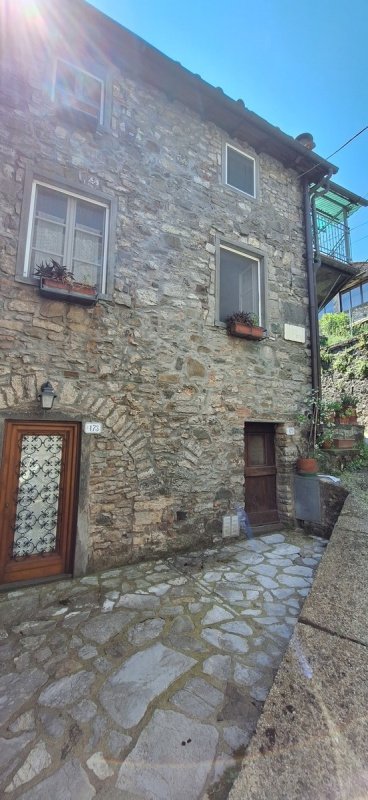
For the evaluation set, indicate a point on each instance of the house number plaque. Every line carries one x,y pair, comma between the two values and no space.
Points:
92,427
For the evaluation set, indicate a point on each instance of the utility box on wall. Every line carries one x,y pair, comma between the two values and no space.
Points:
318,502
307,498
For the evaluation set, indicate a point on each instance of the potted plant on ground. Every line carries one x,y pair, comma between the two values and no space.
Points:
244,324
58,283
309,421
347,414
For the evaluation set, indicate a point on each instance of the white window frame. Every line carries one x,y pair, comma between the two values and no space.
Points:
31,220
261,279
246,155
77,68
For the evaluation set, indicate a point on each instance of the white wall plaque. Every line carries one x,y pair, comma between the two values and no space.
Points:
294,333
92,427
289,430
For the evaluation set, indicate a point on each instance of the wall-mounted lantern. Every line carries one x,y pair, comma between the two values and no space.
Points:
47,396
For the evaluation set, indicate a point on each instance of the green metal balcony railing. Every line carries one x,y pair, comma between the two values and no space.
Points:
333,237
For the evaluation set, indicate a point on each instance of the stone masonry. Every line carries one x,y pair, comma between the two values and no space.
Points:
170,387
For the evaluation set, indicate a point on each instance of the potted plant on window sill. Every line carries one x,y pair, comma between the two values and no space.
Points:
58,283
244,325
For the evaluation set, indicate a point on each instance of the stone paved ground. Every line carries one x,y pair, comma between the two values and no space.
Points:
146,682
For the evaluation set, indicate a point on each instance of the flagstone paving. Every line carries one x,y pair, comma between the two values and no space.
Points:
146,682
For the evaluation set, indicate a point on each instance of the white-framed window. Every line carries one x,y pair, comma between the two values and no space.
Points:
240,170
240,284
69,228
75,88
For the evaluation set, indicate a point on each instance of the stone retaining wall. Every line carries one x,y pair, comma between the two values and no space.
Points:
311,739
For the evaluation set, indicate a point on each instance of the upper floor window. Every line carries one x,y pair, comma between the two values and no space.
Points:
240,283
330,308
354,297
78,90
70,229
240,170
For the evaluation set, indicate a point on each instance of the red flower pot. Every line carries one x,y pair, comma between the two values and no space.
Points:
307,466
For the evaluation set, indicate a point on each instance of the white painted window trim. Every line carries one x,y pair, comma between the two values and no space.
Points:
246,155
245,254
85,72
78,196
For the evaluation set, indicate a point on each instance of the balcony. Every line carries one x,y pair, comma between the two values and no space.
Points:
331,210
333,238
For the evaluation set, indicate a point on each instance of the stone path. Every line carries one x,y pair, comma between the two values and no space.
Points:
146,682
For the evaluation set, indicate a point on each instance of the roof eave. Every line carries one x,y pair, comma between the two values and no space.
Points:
153,67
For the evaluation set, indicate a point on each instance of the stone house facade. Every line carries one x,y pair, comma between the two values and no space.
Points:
177,214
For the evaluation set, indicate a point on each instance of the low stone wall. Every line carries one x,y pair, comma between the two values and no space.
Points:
334,384
311,740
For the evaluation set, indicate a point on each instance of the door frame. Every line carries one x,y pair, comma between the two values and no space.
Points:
271,516
54,564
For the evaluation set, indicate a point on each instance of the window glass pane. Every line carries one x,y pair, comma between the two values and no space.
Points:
240,171
356,297
239,290
87,273
345,301
91,90
87,248
49,237
256,451
88,242
51,204
75,88
65,77
90,217
49,227
365,292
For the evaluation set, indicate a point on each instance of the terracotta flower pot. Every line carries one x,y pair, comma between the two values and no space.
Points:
344,444
307,466
254,332
72,292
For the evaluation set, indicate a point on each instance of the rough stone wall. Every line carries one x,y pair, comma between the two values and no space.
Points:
172,390
334,384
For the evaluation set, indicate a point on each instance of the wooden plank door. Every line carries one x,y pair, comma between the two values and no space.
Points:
260,473
39,479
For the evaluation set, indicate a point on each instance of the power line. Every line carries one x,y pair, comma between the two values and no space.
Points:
336,151
360,240
358,226
348,142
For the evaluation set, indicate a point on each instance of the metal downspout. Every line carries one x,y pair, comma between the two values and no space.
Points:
313,306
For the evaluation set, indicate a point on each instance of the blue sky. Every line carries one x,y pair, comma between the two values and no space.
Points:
302,66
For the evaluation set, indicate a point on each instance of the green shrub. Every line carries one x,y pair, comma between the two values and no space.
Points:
335,328
361,368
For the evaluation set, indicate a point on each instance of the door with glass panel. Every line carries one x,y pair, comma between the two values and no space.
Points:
260,473
39,480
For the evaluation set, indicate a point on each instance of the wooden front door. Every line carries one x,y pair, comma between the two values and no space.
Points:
260,473
39,479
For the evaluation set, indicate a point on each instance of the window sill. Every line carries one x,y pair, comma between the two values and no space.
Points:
240,191
35,283
76,293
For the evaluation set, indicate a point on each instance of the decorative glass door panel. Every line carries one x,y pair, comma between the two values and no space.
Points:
37,507
39,491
